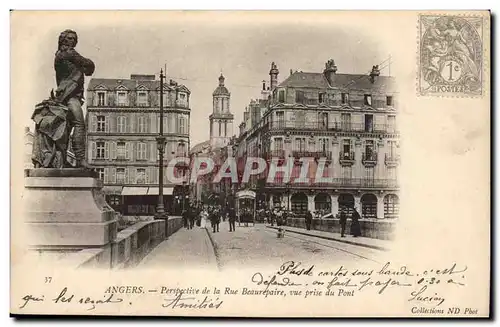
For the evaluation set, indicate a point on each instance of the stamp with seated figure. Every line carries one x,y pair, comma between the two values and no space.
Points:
450,55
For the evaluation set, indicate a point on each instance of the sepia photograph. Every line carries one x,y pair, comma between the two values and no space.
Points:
263,164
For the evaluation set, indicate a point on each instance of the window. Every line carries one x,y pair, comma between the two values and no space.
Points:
182,98
391,123
141,151
182,125
120,175
300,144
369,123
100,172
181,149
122,98
322,97
368,100
101,123
323,120
346,149
345,121
278,143
324,145
299,97
389,101
225,128
140,177
142,98
392,149
280,118
345,98
281,96
101,99
121,124
100,153
391,206
369,150
142,124
121,150
114,200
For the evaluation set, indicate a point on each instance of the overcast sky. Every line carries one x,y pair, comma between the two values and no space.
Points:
195,53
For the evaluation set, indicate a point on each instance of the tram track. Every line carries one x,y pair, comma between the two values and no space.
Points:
310,240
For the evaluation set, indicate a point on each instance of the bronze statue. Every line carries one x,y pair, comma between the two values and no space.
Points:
57,116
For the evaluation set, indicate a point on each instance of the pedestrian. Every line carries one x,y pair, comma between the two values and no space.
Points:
309,218
232,220
185,219
355,226
192,216
343,221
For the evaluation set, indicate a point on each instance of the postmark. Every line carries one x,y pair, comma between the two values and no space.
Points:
450,55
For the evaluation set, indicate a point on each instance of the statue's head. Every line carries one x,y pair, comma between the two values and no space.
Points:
68,38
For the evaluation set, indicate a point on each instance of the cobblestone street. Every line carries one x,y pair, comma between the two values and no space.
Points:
250,246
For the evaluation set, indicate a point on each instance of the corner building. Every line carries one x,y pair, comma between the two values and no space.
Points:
123,118
349,121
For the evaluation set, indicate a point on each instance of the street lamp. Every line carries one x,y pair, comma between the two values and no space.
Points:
160,143
183,194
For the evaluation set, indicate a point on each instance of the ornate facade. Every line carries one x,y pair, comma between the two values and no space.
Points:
346,124
123,121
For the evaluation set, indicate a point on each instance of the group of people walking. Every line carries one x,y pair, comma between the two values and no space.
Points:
343,215
202,215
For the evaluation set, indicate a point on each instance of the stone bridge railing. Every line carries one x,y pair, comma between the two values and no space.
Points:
130,246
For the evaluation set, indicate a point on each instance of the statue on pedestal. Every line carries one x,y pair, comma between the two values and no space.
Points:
57,116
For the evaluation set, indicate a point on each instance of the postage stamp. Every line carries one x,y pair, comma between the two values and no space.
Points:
450,55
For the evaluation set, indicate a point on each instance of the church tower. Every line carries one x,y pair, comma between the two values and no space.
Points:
221,119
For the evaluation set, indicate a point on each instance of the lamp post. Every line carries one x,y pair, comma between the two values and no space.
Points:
183,194
288,194
160,143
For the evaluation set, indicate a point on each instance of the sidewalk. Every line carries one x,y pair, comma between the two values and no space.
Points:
359,241
187,248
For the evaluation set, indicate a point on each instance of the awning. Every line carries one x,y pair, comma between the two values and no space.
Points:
245,194
166,191
129,190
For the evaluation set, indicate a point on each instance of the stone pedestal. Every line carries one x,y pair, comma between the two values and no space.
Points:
65,209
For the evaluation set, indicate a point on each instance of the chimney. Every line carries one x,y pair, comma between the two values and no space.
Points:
263,85
374,73
274,75
291,71
330,71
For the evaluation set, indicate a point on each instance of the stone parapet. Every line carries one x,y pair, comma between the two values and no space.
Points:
374,228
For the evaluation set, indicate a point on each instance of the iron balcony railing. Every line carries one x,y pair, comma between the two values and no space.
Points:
369,157
336,182
328,126
312,154
346,156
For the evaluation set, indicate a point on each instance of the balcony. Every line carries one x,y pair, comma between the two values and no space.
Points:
369,159
346,158
334,127
275,154
339,183
392,160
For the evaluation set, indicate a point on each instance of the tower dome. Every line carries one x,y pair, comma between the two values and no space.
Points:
221,89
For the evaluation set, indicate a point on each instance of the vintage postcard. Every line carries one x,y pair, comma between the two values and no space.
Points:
250,164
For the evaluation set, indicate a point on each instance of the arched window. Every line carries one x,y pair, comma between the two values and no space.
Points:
391,206
369,206
298,203
323,202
